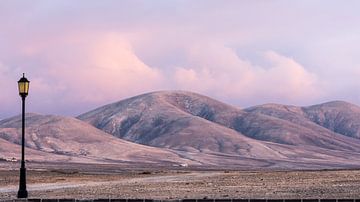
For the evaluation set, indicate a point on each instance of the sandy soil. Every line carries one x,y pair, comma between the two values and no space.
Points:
57,182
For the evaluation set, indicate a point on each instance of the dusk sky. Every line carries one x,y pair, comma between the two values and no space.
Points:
83,54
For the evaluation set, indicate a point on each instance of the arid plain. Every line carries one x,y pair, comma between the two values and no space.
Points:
109,181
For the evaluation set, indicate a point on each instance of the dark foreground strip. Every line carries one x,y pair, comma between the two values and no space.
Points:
182,200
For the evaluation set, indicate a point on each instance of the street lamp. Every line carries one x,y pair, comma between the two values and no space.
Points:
23,84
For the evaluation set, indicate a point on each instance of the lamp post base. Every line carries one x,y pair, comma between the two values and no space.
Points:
22,193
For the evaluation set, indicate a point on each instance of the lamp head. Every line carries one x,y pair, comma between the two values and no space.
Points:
23,85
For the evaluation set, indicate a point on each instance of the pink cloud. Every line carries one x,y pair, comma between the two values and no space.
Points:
217,69
106,68
78,73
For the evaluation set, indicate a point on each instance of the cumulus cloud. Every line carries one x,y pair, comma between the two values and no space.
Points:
219,70
74,73
104,68
80,72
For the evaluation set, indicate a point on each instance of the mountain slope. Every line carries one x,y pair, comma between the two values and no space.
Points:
74,139
188,122
164,118
338,116
183,127
151,120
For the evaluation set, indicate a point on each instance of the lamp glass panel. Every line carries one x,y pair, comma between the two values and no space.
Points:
23,87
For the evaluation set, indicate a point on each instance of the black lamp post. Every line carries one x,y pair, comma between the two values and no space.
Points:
23,84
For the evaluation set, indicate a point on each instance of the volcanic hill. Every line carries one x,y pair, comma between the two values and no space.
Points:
184,128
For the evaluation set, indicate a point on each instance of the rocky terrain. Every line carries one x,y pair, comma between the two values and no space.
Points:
178,128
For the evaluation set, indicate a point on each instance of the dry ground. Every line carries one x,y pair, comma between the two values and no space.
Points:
175,184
